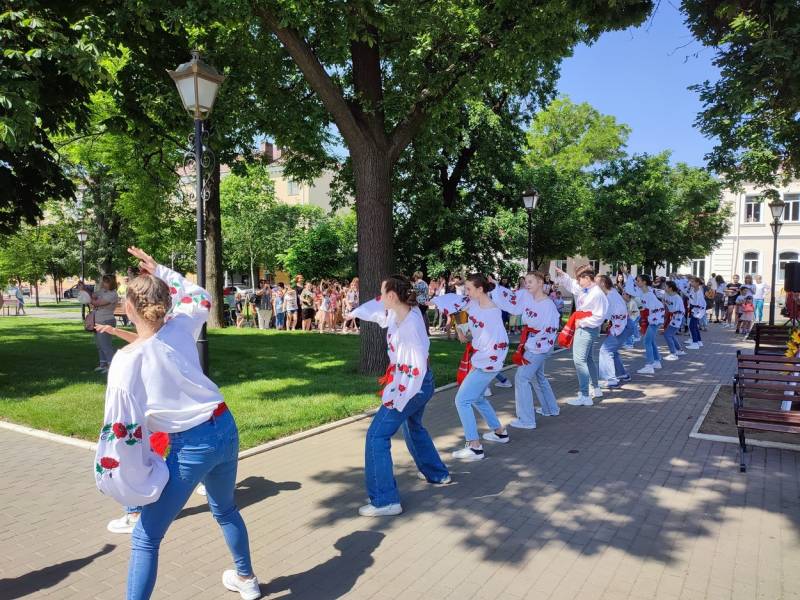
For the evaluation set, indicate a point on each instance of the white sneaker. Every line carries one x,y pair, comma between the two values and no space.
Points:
581,400
539,411
503,384
390,510
517,424
692,347
201,490
670,357
646,370
700,344
608,384
595,392
656,365
99,368
680,353
487,392
469,454
123,524
501,438
248,589
445,481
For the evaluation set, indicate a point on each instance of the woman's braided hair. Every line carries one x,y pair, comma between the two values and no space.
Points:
150,297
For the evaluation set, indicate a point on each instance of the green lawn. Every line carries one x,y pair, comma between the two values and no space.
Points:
275,383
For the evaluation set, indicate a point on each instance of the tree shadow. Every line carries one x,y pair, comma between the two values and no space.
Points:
336,576
42,579
249,491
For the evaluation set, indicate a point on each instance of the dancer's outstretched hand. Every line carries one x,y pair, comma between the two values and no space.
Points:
146,262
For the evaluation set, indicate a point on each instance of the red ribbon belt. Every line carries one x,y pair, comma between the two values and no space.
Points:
568,333
643,316
159,440
465,366
519,355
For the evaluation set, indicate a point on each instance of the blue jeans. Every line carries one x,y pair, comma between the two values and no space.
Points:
583,357
532,375
501,378
470,395
650,346
610,363
694,329
759,310
634,336
280,320
673,344
206,453
378,474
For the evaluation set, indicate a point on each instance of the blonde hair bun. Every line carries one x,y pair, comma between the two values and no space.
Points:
150,297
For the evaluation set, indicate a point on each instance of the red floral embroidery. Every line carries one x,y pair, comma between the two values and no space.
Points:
492,358
205,304
186,300
415,372
109,463
173,291
138,433
119,430
402,388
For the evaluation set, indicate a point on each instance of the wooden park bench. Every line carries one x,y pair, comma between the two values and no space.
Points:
765,377
770,339
119,312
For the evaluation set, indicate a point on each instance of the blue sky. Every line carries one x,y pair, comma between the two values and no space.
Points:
641,76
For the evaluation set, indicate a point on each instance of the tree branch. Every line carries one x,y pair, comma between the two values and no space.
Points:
319,80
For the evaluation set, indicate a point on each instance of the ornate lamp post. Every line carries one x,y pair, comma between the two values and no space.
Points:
776,208
530,199
83,235
198,84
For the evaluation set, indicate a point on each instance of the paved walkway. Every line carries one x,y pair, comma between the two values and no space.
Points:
609,502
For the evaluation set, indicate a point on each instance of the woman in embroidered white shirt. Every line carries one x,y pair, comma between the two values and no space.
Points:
674,304
156,384
588,298
697,310
612,371
541,320
655,318
408,386
490,345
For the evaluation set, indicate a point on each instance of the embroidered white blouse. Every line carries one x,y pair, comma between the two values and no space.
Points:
408,346
591,299
489,336
651,302
697,302
541,316
674,304
617,313
154,385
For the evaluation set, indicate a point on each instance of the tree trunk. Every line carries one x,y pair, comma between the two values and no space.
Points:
372,171
36,289
214,277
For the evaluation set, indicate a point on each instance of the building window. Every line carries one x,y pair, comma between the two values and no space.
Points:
562,264
595,264
750,263
791,212
783,258
752,209
294,188
699,268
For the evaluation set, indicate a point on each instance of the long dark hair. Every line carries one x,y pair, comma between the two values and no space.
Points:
480,280
401,285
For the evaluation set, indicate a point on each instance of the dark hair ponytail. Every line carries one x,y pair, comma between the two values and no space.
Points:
672,286
646,278
401,285
479,280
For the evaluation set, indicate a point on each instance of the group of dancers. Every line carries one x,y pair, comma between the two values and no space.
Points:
156,384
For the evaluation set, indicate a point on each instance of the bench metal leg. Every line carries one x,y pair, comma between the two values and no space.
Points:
742,451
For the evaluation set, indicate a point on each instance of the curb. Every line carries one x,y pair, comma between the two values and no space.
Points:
266,447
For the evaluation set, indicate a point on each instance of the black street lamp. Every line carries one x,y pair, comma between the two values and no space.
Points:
197,85
776,208
530,199
83,235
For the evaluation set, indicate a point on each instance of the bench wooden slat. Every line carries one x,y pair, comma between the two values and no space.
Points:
758,358
780,416
768,376
777,427
766,395
776,367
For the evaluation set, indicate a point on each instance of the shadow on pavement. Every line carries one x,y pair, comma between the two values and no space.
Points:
336,576
249,491
42,579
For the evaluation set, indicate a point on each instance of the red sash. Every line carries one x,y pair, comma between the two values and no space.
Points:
465,366
159,440
568,333
386,379
519,355
643,315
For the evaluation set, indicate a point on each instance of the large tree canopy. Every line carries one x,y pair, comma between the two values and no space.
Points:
753,109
